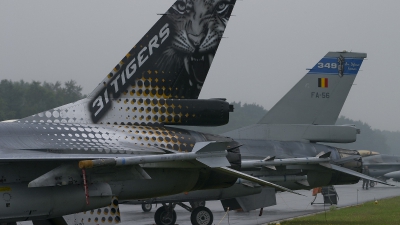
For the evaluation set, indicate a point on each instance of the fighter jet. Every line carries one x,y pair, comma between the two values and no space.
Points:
298,123
114,144
383,167
283,148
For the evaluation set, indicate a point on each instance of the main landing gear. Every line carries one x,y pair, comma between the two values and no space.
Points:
146,207
372,183
200,215
165,215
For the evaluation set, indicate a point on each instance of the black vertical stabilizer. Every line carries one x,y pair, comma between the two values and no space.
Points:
172,60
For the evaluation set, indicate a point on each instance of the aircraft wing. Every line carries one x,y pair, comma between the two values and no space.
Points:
264,183
352,172
210,154
323,160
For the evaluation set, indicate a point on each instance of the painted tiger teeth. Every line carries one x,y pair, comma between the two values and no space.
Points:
210,58
197,60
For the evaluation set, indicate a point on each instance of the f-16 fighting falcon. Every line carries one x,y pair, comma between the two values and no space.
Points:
383,167
282,148
287,140
114,144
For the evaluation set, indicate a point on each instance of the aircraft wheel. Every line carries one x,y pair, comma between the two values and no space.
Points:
146,207
201,216
372,184
164,216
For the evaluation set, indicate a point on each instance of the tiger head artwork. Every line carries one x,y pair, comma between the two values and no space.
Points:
171,61
197,27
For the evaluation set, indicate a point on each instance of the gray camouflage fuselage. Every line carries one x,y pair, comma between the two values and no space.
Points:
383,166
30,150
294,177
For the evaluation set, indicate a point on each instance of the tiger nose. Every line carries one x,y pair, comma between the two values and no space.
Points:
196,40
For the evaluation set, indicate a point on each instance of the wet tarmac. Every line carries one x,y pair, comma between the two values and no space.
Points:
288,206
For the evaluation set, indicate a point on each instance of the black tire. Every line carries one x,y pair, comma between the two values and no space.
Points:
146,207
372,184
201,216
163,217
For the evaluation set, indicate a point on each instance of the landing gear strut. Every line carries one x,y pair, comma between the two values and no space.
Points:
201,215
372,183
165,215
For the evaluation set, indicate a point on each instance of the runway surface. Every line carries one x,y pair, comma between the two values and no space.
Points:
288,206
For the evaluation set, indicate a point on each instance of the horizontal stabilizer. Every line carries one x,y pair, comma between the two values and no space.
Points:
238,174
297,132
352,172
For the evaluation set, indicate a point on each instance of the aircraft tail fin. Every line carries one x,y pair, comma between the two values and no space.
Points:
170,62
319,96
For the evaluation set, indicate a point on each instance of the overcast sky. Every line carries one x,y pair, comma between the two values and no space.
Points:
269,45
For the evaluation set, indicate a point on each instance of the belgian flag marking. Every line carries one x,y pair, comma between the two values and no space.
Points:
323,82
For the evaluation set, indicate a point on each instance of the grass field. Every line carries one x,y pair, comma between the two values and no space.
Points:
386,211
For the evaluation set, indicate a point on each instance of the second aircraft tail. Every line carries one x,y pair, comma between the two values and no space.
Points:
319,96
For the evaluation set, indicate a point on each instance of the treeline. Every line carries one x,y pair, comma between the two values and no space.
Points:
19,99
392,140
